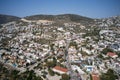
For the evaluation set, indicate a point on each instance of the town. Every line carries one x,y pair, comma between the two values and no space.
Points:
62,51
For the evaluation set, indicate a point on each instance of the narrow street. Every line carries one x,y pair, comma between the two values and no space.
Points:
73,75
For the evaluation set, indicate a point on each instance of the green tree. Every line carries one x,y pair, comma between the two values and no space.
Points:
52,47
31,75
51,72
54,60
14,74
105,50
100,56
65,77
73,44
90,77
109,75
52,63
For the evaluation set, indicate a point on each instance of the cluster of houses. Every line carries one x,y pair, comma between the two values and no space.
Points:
83,53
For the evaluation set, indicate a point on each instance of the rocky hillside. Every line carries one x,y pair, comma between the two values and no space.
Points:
63,18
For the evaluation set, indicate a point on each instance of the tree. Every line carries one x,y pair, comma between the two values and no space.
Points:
52,47
52,63
73,44
3,54
65,77
54,60
109,75
31,74
90,77
51,72
105,50
38,78
90,47
14,74
118,53
100,56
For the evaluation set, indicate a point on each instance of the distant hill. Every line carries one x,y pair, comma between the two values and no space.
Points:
62,17
38,17
7,18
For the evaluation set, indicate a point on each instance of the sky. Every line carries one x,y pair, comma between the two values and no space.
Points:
88,8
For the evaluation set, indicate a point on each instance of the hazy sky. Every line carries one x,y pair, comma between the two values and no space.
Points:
89,8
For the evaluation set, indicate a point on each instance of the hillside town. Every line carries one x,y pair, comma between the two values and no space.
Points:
66,51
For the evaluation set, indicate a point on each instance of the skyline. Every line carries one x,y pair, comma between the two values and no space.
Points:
88,8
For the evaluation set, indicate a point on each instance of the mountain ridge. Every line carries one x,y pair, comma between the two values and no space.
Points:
8,18
58,18
69,17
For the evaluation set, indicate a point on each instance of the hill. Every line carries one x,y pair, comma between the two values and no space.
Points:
62,17
7,18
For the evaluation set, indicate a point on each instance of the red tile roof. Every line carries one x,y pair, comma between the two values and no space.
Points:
111,54
95,77
60,68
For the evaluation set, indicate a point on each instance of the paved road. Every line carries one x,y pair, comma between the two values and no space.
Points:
42,60
73,74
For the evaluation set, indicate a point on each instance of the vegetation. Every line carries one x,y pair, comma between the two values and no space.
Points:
83,53
51,63
73,44
42,41
42,17
52,47
118,53
65,77
51,72
63,17
7,18
92,32
105,50
100,56
1,26
6,74
90,77
109,75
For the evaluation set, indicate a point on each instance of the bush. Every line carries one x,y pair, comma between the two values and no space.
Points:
105,50
109,75
65,77
51,64
51,72
57,73
73,44
44,76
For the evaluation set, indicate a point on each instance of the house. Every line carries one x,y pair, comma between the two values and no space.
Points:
60,70
89,68
60,29
88,51
72,50
80,71
115,46
95,76
112,55
61,43
73,58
